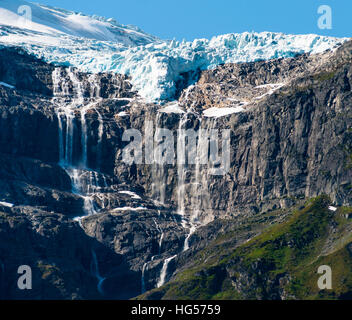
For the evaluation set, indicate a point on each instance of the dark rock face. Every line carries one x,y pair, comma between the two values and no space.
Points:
141,237
279,264
27,73
56,249
291,141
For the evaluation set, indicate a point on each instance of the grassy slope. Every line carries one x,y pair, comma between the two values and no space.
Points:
282,262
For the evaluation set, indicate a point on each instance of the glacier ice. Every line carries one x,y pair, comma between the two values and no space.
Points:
95,44
55,22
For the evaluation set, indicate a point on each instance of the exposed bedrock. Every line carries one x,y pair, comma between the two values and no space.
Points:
61,153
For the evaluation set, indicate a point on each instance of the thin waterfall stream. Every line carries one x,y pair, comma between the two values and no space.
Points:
84,181
72,107
70,103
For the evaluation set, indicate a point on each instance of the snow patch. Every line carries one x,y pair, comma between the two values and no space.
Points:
270,85
129,209
221,112
131,194
123,114
6,85
273,87
6,204
173,108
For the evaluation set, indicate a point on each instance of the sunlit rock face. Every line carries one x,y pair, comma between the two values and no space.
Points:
99,227
156,67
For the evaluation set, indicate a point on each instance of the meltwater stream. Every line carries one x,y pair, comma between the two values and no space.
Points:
96,273
71,107
163,272
68,105
198,187
84,181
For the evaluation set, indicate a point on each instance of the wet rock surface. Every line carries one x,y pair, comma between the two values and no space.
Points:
290,140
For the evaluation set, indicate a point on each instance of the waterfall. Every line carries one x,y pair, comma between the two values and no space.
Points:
143,281
192,230
200,191
61,139
159,183
181,163
73,104
159,252
77,101
68,103
161,235
84,138
69,135
163,272
158,172
66,110
201,153
161,242
100,137
95,86
96,273
199,185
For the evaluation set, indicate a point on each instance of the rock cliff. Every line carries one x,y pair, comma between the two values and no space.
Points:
92,226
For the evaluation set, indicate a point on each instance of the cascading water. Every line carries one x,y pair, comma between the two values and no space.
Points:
84,138
158,171
161,242
96,273
70,103
200,198
143,280
161,235
73,108
181,172
163,272
100,137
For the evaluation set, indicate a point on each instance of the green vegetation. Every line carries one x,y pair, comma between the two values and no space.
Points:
349,161
324,76
280,263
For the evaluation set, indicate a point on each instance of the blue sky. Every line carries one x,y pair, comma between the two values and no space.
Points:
190,19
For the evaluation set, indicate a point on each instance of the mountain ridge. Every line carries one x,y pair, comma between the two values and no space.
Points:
138,241
93,226
58,22
156,66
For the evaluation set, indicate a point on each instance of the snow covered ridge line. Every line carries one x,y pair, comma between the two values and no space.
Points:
34,17
155,68
101,45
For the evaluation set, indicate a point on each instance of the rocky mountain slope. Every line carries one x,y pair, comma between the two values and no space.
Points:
156,67
280,264
92,226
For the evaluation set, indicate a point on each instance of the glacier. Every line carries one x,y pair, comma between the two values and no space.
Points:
95,44
34,19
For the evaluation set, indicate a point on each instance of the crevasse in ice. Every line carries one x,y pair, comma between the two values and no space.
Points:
95,44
